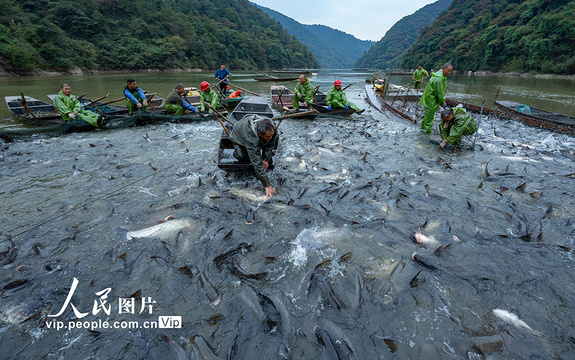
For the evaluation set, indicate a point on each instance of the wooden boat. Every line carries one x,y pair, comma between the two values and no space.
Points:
273,78
248,106
306,72
230,103
375,99
543,118
99,106
282,98
285,101
33,111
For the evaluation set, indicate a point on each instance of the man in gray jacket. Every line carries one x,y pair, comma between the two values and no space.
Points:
255,139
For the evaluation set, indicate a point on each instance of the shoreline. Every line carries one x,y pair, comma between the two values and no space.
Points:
79,71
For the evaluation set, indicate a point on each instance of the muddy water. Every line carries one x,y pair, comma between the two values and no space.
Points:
333,248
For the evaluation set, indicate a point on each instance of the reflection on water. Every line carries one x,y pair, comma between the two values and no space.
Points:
333,248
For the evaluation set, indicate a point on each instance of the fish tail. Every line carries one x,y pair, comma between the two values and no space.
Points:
123,234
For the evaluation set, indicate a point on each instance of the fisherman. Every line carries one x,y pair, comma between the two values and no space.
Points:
433,96
255,139
236,94
303,93
222,74
336,99
455,122
135,98
209,96
418,75
176,103
70,109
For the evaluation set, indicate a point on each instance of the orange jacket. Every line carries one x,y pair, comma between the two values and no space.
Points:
235,94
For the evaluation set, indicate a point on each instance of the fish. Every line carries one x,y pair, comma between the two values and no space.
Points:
211,292
514,320
430,264
177,348
325,340
161,231
415,280
238,271
485,172
424,240
203,349
248,195
521,188
229,252
250,216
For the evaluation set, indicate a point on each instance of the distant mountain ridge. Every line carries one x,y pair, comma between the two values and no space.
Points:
502,35
332,48
388,52
64,35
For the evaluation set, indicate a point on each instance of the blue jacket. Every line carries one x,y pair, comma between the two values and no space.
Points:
221,74
131,96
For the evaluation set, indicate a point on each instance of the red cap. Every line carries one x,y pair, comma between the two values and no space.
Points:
204,86
337,82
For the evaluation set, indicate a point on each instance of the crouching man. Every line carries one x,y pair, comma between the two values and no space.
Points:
255,139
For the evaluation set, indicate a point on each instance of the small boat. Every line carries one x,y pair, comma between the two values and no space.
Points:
375,99
99,106
33,111
248,106
299,72
360,69
273,78
230,103
539,117
282,99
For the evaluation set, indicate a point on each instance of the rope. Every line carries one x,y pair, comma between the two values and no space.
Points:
84,204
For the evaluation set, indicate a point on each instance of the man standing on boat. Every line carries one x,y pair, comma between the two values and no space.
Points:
336,99
176,104
303,93
433,96
418,75
455,122
222,74
255,139
70,109
135,98
208,96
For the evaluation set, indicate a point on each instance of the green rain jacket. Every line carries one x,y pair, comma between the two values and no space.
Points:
306,90
420,74
336,98
67,104
211,98
244,133
462,123
434,93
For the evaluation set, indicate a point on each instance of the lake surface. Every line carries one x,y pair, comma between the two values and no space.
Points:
331,253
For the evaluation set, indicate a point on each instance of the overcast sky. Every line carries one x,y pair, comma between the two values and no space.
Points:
364,19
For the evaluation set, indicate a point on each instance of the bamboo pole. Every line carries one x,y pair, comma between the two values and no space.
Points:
246,90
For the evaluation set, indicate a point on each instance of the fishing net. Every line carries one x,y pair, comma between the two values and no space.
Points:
111,122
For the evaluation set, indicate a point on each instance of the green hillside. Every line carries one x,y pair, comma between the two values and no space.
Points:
143,34
502,35
387,52
333,48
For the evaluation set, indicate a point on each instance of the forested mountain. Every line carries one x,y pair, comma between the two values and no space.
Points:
143,34
387,52
500,35
333,48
